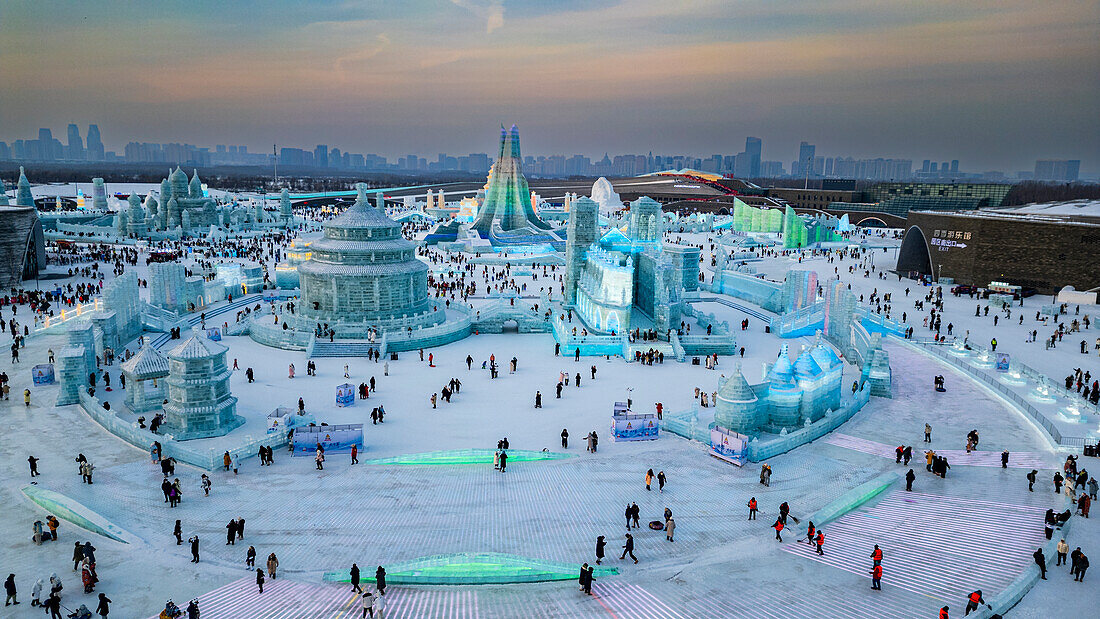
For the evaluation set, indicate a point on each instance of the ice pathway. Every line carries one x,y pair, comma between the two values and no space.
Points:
942,547
955,457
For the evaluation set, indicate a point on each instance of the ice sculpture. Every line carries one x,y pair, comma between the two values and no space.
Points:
200,404
603,193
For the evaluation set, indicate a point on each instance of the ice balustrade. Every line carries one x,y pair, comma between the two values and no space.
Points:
68,314
141,438
275,336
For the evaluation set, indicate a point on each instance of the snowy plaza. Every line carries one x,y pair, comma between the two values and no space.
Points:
803,355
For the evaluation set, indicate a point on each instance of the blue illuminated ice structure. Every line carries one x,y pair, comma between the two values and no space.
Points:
791,394
608,279
199,402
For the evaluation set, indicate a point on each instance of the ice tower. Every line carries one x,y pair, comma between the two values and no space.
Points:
507,198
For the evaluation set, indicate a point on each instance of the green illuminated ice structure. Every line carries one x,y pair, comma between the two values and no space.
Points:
799,231
508,198
481,568
466,456
752,219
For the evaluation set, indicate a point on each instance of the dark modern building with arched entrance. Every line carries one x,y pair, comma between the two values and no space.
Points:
1042,252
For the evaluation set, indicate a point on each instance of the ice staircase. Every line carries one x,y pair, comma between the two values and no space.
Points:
743,309
667,348
281,598
938,546
343,348
193,320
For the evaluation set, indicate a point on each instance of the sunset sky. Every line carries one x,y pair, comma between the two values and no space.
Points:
996,84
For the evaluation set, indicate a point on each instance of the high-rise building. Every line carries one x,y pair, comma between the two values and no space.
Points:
954,166
95,144
320,155
805,159
1057,169
753,148
76,144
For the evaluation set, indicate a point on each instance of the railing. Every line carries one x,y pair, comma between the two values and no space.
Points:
273,335
799,319
762,450
68,314
885,324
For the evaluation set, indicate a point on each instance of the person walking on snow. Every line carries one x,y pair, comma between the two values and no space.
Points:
628,548
778,526
876,578
260,574
670,528
272,565
355,578
752,508
600,543
380,580
820,541
368,604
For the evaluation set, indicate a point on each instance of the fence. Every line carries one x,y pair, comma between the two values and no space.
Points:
143,438
68,314
990,380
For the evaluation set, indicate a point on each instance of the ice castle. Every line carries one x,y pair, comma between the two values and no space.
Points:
791,394
608,277
363,275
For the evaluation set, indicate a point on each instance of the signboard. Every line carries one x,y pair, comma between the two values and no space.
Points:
630,427
729,446
345,395
1002,362
42,374
334,439
214,333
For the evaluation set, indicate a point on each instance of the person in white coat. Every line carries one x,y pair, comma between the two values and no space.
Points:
368,604
36,593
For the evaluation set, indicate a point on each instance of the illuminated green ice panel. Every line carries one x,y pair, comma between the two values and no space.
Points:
468,456
483,568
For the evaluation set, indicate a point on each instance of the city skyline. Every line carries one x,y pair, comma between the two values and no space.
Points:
995,84
746,164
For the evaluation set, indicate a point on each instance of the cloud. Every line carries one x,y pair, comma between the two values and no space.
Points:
492,12
366,52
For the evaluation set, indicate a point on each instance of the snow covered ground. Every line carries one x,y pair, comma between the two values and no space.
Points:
975,529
